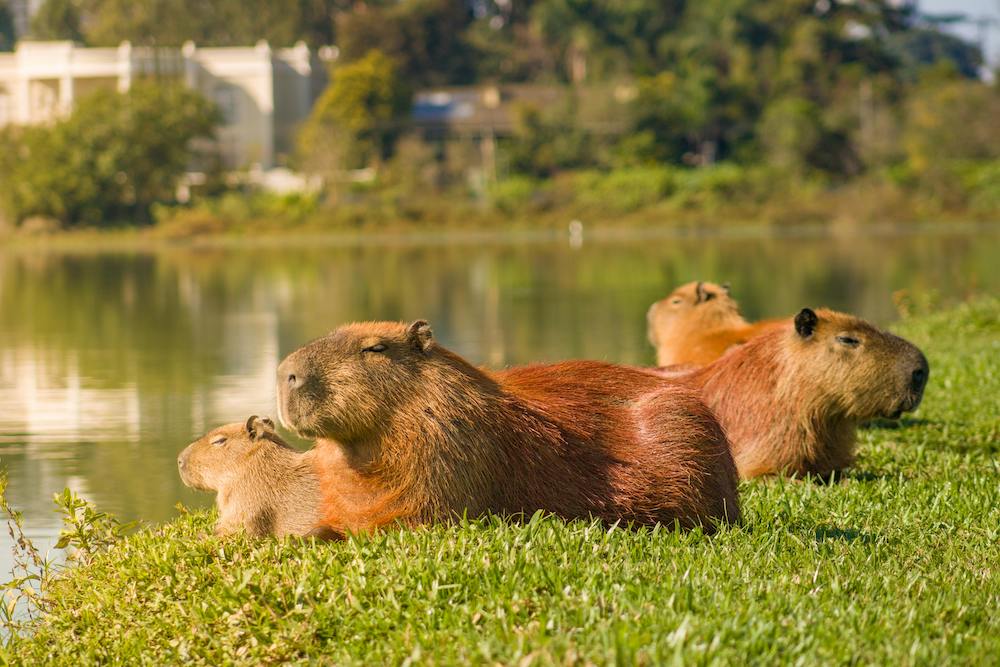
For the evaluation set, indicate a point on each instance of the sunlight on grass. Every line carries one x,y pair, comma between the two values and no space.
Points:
896,563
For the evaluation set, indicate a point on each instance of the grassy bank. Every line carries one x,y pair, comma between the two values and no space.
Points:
895,564
714,197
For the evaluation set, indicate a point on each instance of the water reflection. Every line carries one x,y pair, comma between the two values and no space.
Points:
110,363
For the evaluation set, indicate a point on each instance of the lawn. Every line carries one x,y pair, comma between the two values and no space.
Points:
896,563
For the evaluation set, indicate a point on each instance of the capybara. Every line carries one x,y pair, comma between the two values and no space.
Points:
697,323
791,399
263,486
408,431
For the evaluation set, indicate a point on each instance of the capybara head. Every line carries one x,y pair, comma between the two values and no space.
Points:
346,384
218,457
709,302
861,370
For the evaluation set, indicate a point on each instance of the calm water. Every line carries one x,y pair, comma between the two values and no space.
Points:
111,363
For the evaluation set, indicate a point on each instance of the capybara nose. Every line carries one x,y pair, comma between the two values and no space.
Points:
919,379
181,461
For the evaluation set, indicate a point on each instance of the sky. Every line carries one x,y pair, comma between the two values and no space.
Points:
974,9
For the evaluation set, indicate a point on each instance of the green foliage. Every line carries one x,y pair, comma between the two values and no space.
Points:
423,37
624,190
517,194
951,119
892,564
234,211
109,161
355,122
791,132
542,144
220,23
919,48
57,19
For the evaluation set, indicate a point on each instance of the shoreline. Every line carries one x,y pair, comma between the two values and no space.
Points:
150,240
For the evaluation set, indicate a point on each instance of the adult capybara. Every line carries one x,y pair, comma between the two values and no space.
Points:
409,431
697,323
264,486
791,399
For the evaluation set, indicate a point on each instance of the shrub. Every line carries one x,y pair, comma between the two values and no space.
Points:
109,161
624,190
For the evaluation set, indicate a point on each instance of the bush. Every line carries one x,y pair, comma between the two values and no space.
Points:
109,161
518,194
624,190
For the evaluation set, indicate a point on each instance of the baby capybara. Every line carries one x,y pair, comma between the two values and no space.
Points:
263,486
791,399
409,431
697,323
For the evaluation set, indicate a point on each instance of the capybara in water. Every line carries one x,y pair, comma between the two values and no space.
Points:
409,431
264,486
791,399
697,323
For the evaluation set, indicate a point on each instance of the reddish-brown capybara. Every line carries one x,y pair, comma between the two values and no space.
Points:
264,487
791,399
409,431
697,323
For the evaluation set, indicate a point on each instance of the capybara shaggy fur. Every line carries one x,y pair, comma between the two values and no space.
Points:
791,399
263,486
409,431
697,323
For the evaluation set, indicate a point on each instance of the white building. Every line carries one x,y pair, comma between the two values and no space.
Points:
263,93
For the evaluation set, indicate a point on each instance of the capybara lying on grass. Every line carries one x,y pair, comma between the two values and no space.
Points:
411,432
264,486
791,399
697,323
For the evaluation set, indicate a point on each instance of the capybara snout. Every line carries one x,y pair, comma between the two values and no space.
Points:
342,382
918,381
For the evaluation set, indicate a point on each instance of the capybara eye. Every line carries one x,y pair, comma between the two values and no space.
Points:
379,347
218,440
849,341
677,301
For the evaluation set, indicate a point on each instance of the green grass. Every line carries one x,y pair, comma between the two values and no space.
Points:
897,563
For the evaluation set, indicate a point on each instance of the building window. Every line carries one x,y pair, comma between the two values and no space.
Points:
226,100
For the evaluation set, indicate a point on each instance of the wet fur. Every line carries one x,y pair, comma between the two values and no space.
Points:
420,435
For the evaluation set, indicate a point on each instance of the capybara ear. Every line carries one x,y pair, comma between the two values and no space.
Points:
257,427
702,294
725,287
420,335
805,322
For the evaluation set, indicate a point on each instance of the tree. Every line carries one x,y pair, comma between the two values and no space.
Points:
356,120
919,48
109,161
57,19
217,23
424,37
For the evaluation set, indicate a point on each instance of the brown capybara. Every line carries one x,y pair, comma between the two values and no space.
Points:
697,323
408,431
263,486
791,399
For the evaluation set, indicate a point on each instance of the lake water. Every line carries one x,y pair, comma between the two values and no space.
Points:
110,363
